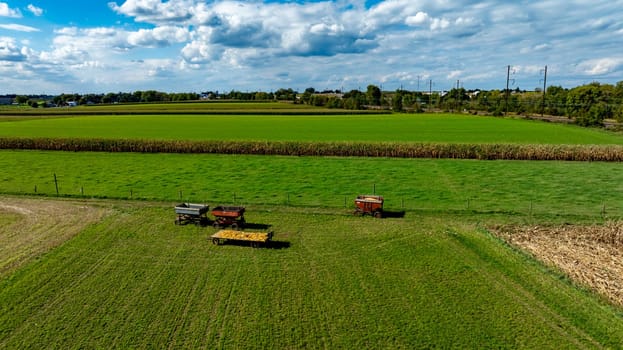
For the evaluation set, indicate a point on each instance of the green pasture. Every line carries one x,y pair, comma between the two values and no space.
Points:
520,189
427,128
135,280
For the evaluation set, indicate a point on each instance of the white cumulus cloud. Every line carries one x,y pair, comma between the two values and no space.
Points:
319,43
37,11
600,66
6,11
18,28
155,11
10,51
158,37
419,19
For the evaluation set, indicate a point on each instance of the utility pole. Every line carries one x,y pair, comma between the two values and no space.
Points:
458,96
508,75
430,94
544,89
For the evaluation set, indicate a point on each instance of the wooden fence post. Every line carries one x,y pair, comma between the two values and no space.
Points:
56,184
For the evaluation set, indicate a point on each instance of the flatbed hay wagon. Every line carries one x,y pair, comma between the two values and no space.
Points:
370,205
255,239
228,216
191,213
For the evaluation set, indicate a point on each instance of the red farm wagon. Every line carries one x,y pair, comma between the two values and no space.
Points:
228,216
369,205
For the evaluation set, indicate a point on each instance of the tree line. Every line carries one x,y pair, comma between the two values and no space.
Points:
587,105
109,98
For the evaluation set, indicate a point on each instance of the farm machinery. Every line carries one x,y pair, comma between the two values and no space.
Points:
232,216
228,216
369,205
191,213
197,214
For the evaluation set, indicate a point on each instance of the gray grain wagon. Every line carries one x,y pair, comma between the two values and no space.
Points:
191,213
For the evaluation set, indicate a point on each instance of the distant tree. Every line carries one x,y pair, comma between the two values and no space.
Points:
335,102
373,95
307,95
262,96
397,102
354,99
580,101
318,100
21,99
618,113
149,96
285,95
618,91
555,100
110,98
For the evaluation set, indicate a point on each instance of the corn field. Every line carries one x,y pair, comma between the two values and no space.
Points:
606,153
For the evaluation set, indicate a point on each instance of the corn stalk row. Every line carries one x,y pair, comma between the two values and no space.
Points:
607,153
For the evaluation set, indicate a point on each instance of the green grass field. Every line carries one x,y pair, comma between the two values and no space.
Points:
522,188
135,280
428,276
362,128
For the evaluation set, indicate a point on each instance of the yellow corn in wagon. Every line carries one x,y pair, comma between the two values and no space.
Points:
256,239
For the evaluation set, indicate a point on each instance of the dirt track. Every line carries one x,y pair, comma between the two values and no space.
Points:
590,255
30,227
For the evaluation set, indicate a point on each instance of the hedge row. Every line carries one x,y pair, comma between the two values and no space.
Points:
606,153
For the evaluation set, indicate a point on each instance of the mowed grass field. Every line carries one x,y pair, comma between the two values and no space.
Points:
135,280
511,188
428,128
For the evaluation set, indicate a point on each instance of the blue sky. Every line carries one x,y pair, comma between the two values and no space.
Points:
57,46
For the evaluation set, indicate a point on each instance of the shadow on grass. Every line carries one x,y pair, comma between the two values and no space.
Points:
252,226
394,214
278,245
269,245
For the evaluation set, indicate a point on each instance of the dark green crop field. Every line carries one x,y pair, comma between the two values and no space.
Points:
135,280
427,128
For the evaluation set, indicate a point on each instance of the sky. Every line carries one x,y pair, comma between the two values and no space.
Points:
92,46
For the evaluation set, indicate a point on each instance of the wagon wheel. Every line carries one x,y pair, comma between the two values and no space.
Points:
255,244
215,241
216,225
356,213
177,222
378,214
234,226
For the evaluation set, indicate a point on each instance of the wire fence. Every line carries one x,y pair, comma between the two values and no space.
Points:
522,206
